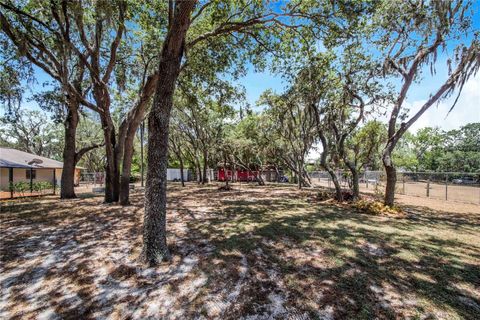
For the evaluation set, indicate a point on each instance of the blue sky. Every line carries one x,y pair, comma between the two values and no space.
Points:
467,109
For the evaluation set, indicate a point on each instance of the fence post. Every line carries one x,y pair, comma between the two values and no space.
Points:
446,186
403,181
31,181
54,181
329,182
428,186
366,179
10,181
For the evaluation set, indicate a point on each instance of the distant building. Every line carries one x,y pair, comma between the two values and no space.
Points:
19,166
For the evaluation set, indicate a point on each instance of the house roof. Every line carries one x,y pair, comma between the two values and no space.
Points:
12,158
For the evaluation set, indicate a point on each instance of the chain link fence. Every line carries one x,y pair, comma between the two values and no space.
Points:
449,186
88,179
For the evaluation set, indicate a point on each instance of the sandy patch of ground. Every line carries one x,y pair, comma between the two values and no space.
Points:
250,253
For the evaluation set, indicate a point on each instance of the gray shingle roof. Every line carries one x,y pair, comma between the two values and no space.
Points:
12,158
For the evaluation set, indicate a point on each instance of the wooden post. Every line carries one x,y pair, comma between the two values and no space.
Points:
403,181
54,181
10,181
428,187
446,186
31,181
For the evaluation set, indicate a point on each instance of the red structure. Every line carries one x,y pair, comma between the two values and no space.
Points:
238,175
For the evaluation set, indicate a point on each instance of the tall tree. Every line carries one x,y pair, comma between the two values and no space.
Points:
411,36
32,132
239,23
53,36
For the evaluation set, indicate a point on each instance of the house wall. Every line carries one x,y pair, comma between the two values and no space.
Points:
4,179
20,175
76,177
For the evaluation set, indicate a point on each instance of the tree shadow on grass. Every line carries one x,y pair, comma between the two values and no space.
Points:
236,254
361,272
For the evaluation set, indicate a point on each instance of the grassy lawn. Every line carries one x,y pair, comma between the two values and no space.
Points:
256,253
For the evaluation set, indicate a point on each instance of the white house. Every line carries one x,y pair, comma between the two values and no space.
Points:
19,166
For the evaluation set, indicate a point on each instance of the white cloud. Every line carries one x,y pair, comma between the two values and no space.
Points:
467,109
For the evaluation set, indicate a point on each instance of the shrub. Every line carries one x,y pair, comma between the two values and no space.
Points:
377,208
329,194
37,186
41,186
45,185
21,187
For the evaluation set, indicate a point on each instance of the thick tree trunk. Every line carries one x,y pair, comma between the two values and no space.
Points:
124,193
391,178
111,169
67,187
155,247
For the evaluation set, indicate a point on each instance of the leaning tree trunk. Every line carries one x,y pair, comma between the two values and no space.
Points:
67,186
336,183
306,181
182,178
391,177
126,136
124,192
277,172
155,247
324,163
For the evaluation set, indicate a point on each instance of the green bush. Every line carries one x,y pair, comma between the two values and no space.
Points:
41,186
37,186
21,187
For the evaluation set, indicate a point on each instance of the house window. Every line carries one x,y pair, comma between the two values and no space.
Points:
34,174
